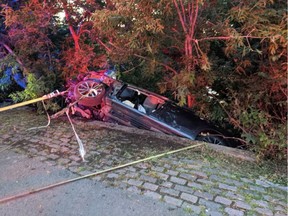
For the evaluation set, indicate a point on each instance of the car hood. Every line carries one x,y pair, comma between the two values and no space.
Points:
182,119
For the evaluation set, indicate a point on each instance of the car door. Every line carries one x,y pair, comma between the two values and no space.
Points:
124,108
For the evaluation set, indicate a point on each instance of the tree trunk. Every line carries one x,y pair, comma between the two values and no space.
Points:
75,36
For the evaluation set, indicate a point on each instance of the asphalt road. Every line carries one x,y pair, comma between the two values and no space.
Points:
85,197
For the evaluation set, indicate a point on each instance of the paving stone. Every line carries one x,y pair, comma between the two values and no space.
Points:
189,197
260,203
227,187
33,140
73,169
85,172
204,195
210,205
215,191
44,142
64,161
172,200
279,208
65,140
187,176
262,183
112,176
134,189
172,172
194,208
258,189
262,211
75,158
150,186
51,163
152,194
53,156
215,213
131,169
148,178
54,146
64,150
33,150
41,158
280,214
242,205
132,175
167,184
184,189
247,180
162,176
281,196
178,180
199,174
167,166
6,136
233,212
233,195
216,177
182,170
99,178
223,200
45,153
252,193
169,191
204,181
135,182
233,182
157,168
195,185
142,165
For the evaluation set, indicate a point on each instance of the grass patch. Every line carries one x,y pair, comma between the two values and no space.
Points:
274,171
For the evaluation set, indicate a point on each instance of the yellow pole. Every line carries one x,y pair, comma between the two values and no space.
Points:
45,97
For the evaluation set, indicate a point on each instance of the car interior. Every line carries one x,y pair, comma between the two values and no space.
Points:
140,101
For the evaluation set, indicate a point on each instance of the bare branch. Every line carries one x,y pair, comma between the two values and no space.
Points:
228,38
14,55
180,16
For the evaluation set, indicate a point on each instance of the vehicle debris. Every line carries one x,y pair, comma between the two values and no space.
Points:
99,95
111,100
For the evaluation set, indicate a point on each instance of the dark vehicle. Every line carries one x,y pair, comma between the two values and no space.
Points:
102,97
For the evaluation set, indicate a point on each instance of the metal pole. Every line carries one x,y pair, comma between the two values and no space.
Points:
45,97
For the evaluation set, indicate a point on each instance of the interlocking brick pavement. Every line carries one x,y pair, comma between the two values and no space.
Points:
176,179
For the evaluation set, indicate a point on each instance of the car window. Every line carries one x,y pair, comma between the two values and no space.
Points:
127,94
132,98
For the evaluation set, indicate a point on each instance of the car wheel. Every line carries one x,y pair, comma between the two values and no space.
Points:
211,138
89,93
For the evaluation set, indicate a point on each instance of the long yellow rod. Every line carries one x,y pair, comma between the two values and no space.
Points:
45,97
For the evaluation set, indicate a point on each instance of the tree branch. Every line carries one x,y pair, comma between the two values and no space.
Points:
164,65
228,38
14,55
180,16
72,31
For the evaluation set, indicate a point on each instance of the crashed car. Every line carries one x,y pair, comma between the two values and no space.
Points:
99,95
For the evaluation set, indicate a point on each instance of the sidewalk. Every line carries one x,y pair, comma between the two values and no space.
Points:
188,185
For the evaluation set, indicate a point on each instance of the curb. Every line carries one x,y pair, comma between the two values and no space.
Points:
228,151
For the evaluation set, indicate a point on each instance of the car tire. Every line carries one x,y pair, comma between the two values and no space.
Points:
211,138
89,93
